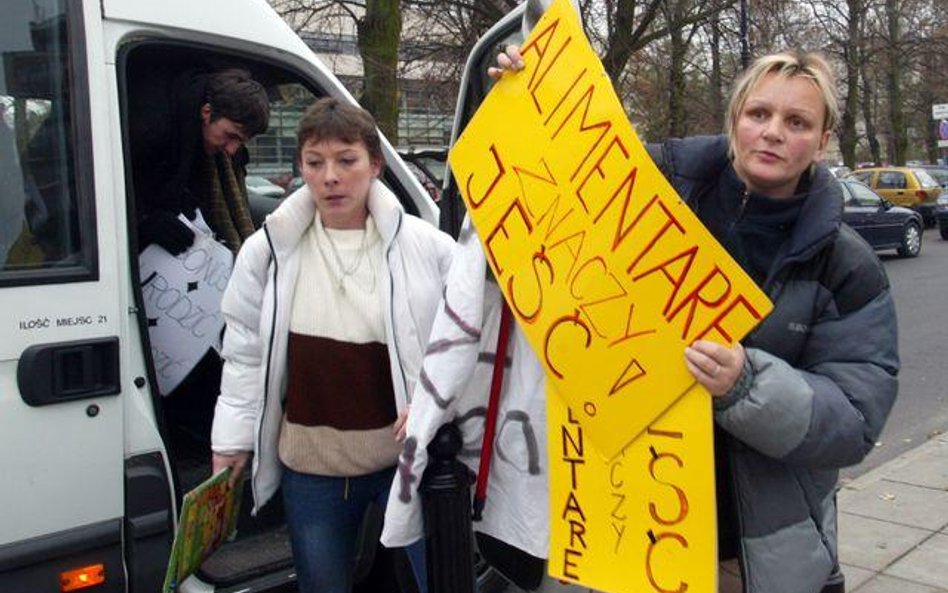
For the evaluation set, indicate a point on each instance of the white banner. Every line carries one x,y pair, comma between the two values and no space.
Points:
182,296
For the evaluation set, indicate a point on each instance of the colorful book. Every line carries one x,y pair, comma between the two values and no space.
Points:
208,518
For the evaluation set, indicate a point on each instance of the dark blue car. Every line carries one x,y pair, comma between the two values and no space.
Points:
882,224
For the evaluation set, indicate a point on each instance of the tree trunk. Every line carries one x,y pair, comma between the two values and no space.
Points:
378,37
868,116
852,54
717,79
676,70
899,141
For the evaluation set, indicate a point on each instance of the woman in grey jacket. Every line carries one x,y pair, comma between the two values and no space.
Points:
328,312
809,390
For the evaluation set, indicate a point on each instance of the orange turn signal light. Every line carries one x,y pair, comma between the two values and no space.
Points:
82,578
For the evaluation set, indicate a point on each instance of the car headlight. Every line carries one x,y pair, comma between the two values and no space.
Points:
943,201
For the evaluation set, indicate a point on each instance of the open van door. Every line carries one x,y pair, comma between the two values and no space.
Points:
474,86
150,45
63,350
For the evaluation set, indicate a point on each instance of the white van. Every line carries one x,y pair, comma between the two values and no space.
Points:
93,460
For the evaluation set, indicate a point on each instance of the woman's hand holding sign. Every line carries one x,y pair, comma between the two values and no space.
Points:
715,366
509,59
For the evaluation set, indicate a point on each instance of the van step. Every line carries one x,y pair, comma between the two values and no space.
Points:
248,557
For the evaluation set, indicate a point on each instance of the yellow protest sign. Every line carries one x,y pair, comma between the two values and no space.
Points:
644,521
606,270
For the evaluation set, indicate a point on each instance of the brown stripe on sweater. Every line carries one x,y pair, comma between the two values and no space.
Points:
342,385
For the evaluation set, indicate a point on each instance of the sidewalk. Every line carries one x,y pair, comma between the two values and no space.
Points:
893,526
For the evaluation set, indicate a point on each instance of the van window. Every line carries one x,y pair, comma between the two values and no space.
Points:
44,233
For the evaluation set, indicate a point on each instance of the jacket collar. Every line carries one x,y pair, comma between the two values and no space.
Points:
704,159
287,224
820,216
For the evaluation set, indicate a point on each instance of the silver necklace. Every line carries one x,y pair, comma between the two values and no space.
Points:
343,272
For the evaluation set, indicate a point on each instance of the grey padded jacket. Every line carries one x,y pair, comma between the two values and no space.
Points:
820,378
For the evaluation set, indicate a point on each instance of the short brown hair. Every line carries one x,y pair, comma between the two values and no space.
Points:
787,64
233,94
331,119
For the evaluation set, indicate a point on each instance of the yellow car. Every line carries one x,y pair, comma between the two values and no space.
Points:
912,187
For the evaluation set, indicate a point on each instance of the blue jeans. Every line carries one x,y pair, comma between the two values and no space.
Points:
324,514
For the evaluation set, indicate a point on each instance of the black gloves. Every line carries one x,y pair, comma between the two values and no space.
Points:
163,228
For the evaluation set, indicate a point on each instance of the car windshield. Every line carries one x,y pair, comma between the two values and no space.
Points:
924,179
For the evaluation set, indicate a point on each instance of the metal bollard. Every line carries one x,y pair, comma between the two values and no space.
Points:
446,500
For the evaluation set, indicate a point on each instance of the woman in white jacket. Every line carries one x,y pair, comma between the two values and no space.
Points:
328,312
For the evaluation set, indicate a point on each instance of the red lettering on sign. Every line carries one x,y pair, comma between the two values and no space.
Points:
698,296
572,507
524,175
554,328
539,258
628,334
741,301
569,564
655,540
541,47
597,168
553,222
632,371
475,204
573,244
515,208
669,222
576,532
586,101
676,280
607,284
682,497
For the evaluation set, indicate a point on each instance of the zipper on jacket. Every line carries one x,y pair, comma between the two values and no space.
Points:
391,313
266,375
740,212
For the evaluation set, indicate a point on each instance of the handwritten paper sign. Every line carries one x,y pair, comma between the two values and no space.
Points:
182,296
607,271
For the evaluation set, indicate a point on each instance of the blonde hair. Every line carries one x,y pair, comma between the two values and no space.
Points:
787,65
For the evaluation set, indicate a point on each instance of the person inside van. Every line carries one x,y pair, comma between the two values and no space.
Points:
187,145
187,137
328,312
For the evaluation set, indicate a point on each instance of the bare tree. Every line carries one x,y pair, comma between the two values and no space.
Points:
897,139
378,25
379,37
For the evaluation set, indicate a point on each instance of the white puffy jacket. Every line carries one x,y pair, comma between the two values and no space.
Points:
257,305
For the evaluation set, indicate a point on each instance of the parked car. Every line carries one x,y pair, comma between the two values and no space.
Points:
840,171
428,164
882,224
911,187
264,187
940,174
294,184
